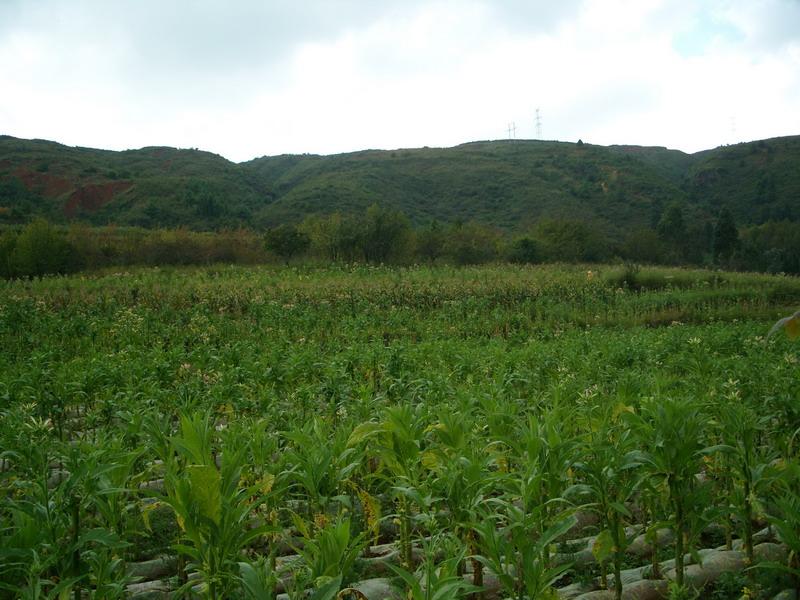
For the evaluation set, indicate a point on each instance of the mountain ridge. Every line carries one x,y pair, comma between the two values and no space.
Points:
505,183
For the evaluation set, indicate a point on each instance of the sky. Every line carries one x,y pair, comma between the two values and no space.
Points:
248,78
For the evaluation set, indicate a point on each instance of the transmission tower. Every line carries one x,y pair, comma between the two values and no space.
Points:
538,124
512,130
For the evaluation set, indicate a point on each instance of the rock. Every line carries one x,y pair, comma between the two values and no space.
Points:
687,559
379,565
584,520
786,595
597,595
631,576
715,563
379,588
641,548
163,566
764,535
574,590
769,551
156,485
149,590
580,558
646,589
56,478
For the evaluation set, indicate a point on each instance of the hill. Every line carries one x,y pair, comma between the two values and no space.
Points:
509,184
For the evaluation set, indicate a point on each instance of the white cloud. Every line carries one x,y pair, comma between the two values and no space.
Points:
251,78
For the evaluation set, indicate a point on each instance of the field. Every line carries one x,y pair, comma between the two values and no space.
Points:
236,432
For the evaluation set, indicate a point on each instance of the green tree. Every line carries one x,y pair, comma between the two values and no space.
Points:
643,245
430,242
570,240
524,250
726,236
671,229
8,240
471,243
335,237
286,241
41,250
385,234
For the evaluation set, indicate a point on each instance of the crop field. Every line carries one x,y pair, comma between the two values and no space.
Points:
422,433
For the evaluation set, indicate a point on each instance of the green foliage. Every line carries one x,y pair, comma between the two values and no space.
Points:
726,236
471,243
434,579
329,551
38,250
504,184
563,240
210,506
286,241
524,250
671,431
215,414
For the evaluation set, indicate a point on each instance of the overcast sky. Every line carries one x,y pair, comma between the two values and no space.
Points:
246,78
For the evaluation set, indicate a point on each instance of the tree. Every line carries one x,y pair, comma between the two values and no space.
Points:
385,234
334,237
671,226
286,241
643,245
726,236
524,250
41,250
471,243
570,240
430,242
671,229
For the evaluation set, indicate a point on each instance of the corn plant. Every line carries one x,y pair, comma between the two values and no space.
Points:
211,508
611,477
398,443
330,550
59,517
258,579
319,465
463,481
436,579
750,475
671,431
543,456
785,518
519,559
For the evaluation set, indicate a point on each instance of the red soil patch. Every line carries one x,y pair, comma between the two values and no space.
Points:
49,186
94,196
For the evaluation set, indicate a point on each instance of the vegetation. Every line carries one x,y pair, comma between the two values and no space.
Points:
255,430
511,185
382,236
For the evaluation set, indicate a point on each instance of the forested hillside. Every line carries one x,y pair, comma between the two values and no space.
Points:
510,184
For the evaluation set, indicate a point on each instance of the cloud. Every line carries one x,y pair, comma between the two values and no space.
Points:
248,78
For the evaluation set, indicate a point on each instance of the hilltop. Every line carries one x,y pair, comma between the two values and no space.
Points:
509,184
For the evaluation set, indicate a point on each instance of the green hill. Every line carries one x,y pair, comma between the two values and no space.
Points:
758,181
509,184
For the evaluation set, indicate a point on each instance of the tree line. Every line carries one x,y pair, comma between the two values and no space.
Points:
382,235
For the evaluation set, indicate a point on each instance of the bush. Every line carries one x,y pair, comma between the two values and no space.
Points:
524,250
41,250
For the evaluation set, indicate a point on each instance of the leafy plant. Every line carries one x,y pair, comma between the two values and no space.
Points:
211,509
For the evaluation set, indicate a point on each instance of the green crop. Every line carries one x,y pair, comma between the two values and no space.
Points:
261,431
